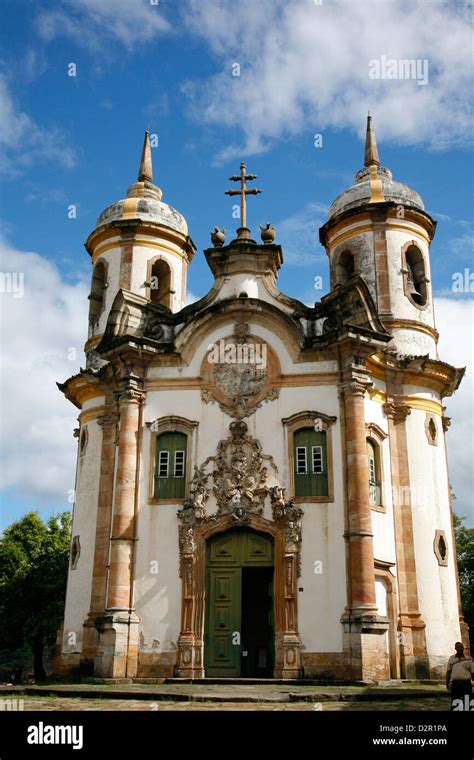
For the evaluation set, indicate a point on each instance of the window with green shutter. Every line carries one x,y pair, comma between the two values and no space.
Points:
170,466
310,462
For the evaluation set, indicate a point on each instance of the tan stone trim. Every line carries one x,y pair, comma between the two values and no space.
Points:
137,242
335,237
414,402
384,572
92,342
410,623
171,424
92,414
79,390
298,380
297,421
353,232
382,282
180,239
411,324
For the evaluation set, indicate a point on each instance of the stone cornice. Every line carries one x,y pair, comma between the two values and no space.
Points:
417,370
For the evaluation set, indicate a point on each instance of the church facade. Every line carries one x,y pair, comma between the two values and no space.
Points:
262,486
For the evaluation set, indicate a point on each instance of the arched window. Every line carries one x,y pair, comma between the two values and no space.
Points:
373,455
415,276
97,295
310,462
170,466
345,267
160,283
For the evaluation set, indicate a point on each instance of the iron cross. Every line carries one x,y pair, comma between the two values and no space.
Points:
243,192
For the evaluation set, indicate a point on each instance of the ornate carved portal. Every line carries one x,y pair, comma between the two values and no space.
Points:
243,486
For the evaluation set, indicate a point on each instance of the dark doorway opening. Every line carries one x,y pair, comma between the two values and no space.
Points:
257,622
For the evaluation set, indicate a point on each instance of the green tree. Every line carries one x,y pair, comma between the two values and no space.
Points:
34,560
465,552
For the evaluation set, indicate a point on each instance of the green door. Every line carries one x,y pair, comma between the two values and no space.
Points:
234,610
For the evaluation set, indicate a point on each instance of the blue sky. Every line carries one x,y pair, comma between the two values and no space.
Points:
168,67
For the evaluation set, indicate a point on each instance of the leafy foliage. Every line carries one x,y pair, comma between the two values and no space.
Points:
465,552
34,560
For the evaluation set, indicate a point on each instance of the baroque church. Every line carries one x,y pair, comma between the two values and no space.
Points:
262,487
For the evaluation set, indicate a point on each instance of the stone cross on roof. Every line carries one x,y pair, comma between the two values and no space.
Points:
243,231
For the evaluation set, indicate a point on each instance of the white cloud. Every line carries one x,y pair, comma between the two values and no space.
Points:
455,322
37,333
23,142
305,68
298,234
90,22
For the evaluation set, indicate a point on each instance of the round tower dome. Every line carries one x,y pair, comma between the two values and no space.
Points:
378,228
140,244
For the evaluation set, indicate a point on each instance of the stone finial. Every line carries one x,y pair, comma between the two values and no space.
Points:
218,236
145,172
371,156
268,233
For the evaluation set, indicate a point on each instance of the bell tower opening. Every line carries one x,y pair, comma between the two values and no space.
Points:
415,279
345,267
160,283
97,295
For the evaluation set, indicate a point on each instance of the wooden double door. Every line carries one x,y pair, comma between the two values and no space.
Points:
239,613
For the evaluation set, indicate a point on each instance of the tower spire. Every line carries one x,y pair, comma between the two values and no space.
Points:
145,172
371,157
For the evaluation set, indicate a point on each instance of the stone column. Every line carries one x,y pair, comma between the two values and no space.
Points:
108,423
411,627
118,648
365,631
359,530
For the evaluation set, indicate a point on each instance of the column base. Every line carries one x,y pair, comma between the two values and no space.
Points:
287,656
365,640
414,660
190,657
117,648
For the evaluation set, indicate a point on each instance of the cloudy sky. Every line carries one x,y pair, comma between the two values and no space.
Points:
217,81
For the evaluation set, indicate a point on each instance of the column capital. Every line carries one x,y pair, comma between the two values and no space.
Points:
396,408
107,420
356,385
130,391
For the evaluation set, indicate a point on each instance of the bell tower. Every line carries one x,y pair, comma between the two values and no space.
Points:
140,244
379,228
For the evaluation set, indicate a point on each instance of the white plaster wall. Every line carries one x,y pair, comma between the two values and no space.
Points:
430,507
382,522
78,596
323,600
225,331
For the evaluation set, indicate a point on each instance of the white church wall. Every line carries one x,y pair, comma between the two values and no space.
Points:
430,509
382,522
84,525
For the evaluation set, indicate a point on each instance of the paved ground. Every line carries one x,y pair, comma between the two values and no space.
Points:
212,697
67,704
